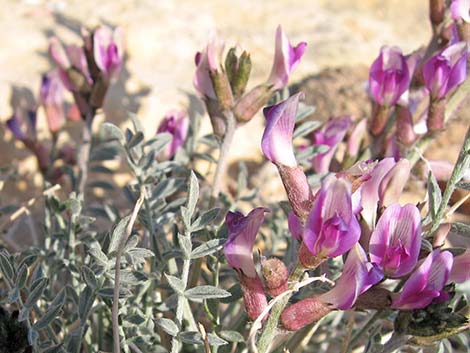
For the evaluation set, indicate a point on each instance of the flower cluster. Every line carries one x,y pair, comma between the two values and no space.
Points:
354,213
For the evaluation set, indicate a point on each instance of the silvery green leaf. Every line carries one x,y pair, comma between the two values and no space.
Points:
205,157
36,290
28,260
177,284
6,266
205,219
207,248
186,216
89,277
23,315
85,303
168,326
306,128
310,152
461,229
108,292
463,185
185,245
159,142
72,294
434,195
99,256
22,277
112,132
167,187
231,336
215,340
235,294
75,206
118,235
47,318
206,292
304,111
13,295
132,277
104,154
135,140
140,253
193,194
32,336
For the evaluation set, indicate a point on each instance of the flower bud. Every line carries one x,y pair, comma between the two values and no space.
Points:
108,51
238,71
460,10
436,115
252,102
254,297
275,276
303,313
437,10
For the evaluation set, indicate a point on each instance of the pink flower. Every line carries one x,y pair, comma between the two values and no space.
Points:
460,269
446,70
460,10
175,123
331,134
108,51
396,241
51,97
286,59
389,76
358,276
238,251
331,228
426,283
276,142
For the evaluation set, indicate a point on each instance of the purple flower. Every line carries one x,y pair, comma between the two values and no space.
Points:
331,228
358,276
446,70
389,76
51,97
331,134
17,128
385,185
14,125
207,61
276,142
460,10
286,59
396,241
460,269
108,51
241,238
238,251
426,283
175,123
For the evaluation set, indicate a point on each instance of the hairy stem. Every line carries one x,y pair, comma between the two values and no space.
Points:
267,336
463,162
224,151
117,273
84,154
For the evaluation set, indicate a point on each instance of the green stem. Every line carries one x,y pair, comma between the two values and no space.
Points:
463,162
84,154
266,338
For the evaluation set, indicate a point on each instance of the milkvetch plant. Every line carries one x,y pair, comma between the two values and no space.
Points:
177,258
